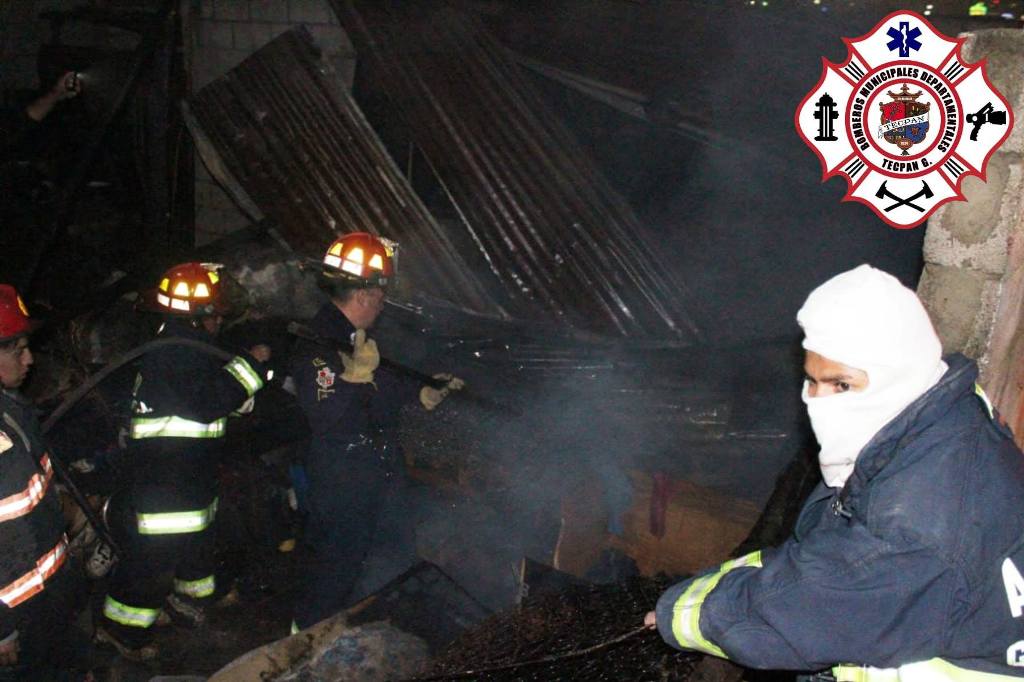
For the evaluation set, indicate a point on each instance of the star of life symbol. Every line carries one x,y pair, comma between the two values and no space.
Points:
904,39
904,119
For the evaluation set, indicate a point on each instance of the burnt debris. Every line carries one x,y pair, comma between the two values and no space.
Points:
587,632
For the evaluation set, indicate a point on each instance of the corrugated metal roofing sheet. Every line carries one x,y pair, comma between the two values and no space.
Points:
540,232
552,229
299,145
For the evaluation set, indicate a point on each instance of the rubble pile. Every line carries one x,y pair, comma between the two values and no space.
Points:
546,637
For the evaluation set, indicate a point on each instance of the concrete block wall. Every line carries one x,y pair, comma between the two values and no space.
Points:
21,34
973,280
226,32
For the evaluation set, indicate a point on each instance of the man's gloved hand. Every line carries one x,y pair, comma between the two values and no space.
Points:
431,397
364,360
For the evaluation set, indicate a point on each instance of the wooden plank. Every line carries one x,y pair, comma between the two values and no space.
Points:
701,528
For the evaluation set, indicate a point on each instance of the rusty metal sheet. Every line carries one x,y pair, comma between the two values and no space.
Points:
553,232
540,234
301,149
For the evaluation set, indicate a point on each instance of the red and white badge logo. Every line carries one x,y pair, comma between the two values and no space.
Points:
325,377
904,119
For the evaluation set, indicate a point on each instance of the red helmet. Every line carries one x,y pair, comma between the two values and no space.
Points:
14,320
361,258
192,289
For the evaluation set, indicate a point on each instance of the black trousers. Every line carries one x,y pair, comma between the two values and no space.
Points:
347,491
49,645
152,568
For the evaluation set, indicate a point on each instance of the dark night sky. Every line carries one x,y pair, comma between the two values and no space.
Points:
744,220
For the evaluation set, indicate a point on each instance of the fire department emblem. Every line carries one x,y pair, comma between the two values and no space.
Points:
904,119
325,377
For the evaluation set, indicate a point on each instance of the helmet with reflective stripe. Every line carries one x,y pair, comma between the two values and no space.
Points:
14,319
192,289
360,259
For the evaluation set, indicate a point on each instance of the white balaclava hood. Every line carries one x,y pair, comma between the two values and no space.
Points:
865,319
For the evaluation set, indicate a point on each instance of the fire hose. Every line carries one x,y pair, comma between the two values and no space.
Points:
536,661
89,384
307,334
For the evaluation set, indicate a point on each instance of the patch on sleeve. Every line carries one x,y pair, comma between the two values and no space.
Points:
319,362
5,442
325,377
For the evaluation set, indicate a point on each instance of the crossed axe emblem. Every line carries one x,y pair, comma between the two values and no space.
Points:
925,192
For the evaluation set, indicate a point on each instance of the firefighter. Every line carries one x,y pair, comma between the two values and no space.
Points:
348,399
37,584
180,404
905,563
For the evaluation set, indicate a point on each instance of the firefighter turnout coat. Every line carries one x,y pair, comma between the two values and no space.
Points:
911,572
181,402
182,399
31,524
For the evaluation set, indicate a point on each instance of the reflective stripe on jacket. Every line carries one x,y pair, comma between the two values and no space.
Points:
33,582
180,404
913,569
182,392
31,523
24,501
935,670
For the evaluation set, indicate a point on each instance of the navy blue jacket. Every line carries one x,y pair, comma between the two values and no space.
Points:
917,561
340,413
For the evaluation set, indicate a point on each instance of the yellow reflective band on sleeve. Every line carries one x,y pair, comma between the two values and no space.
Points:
686,611
245,374
173,523
175,427
132,616
933,670
753,560
980,392
198,589
849,673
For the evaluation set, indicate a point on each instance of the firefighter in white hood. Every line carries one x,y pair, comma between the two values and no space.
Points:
905,561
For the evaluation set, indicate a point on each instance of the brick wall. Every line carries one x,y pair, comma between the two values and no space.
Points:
973,280
226,32
21,34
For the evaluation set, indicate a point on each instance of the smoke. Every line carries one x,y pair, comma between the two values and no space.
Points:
582,418
727,190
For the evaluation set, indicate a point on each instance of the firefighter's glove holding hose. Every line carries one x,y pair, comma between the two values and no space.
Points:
431,397
364,360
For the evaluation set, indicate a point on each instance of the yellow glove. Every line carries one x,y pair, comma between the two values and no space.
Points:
364,359
431,397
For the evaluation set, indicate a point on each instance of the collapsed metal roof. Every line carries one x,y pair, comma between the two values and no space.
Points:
294,139
540,232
